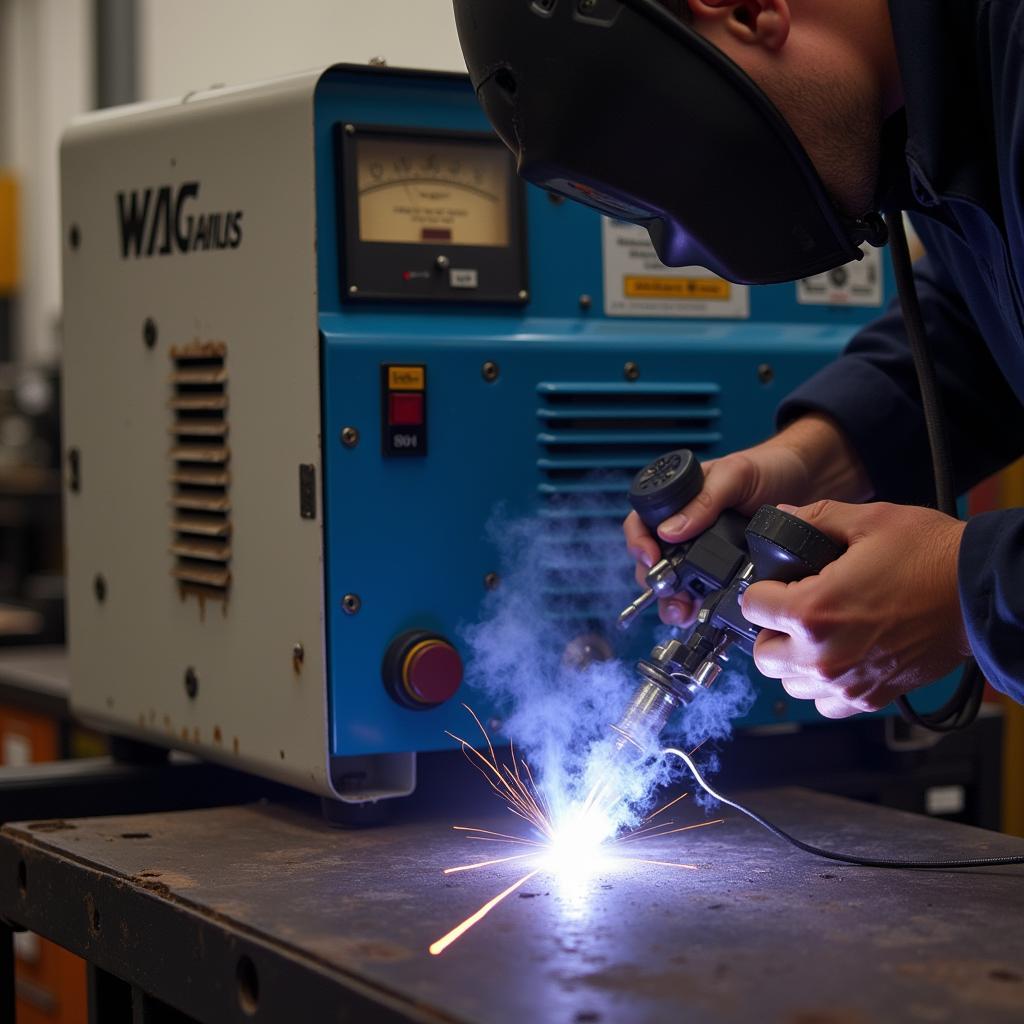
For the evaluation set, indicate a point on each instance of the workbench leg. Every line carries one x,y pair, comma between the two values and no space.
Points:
147,1010
110,998
7,1010
113,1001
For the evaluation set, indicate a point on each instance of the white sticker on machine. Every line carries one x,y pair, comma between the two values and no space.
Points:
855,284
637,283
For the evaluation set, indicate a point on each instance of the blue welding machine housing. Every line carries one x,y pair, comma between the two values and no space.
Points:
519,439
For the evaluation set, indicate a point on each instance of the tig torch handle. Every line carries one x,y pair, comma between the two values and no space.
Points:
784,548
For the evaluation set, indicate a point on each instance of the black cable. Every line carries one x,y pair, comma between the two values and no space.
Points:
843,858
924,364
962,708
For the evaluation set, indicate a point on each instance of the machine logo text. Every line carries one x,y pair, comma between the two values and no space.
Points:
164,220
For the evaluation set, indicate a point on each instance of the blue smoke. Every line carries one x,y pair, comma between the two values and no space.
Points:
563,583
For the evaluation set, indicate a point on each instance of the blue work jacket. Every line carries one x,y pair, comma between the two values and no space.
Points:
959,172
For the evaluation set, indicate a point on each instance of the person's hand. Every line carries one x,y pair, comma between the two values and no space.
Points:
809,459
883,619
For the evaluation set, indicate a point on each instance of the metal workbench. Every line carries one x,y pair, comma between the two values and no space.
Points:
264,913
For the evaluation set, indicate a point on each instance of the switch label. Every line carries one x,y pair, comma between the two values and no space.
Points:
463,278
406,378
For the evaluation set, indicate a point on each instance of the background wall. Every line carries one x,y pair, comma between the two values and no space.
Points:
49,74
46,75
192,44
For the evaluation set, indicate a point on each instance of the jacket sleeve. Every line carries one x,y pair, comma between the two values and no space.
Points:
872,393
991,567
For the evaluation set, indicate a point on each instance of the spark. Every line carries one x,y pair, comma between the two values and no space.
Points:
487,863
662,863
690,828
632,836
514,842
459,930
497,835
572,847
649,832
665,807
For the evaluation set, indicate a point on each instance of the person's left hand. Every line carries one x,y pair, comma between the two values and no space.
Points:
879,621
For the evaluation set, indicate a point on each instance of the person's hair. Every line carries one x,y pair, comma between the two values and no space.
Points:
680,8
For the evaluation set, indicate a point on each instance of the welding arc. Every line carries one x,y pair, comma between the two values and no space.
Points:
843,858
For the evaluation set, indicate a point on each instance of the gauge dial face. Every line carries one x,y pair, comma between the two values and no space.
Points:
421,192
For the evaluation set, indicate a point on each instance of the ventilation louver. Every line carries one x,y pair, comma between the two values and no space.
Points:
593,439
200,476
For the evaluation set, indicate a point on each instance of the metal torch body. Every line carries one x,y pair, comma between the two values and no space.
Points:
714,569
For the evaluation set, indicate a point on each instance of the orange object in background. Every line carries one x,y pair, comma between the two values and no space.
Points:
50,982
1006,490
8,235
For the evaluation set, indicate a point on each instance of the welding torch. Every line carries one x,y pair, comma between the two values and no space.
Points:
714,569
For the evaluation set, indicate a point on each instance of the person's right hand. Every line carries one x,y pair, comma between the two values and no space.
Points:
806,462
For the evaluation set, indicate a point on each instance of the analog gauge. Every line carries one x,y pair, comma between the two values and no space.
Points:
436,192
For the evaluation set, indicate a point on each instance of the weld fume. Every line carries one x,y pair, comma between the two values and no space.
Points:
562,580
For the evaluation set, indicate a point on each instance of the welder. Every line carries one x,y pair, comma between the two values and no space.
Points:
914,106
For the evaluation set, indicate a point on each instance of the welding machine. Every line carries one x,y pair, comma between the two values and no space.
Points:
316,331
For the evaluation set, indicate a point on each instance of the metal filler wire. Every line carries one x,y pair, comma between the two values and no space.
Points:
843,858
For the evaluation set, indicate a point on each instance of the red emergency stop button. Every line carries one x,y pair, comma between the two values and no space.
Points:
422,670
432,672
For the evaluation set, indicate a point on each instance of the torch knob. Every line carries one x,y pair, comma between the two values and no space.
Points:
666,486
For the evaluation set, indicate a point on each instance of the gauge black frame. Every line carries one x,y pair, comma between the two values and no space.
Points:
374,269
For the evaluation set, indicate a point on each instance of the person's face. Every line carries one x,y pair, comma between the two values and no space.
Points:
824,65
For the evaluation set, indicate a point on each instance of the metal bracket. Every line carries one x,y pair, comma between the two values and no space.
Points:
360,780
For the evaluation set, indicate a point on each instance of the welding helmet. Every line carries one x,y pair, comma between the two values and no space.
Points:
622,106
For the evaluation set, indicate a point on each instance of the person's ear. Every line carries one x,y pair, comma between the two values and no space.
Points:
762,23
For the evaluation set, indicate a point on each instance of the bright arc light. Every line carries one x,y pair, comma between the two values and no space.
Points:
577,845
573,848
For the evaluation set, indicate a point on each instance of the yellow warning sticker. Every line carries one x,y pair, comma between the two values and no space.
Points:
638,284
687,289
406,378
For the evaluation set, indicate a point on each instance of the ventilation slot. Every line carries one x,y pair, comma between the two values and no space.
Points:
584,577
200,478
595,437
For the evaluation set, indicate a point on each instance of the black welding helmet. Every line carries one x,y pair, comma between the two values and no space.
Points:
620,105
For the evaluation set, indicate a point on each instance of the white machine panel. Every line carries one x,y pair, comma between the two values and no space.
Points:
217,191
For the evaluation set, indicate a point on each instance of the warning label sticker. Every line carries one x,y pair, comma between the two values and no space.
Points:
856,284
637,283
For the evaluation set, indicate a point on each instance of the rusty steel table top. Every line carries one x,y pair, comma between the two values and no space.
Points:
196,905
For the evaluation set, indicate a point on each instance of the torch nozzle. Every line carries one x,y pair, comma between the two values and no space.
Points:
635,737
645,600
645,717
